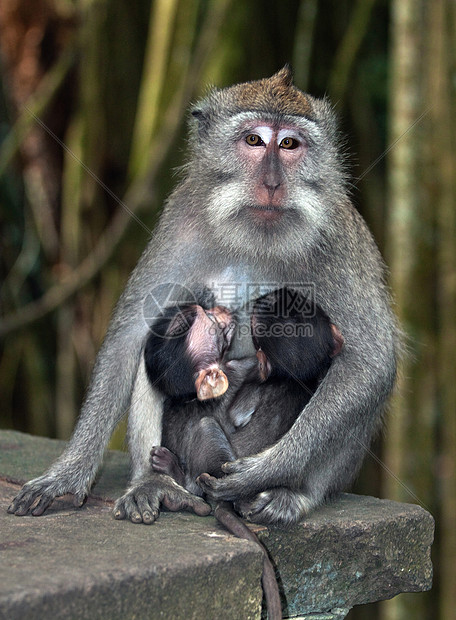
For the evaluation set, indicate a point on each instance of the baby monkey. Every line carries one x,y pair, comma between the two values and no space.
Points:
216,410
184,350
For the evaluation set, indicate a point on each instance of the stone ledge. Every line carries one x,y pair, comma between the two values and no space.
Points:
83,564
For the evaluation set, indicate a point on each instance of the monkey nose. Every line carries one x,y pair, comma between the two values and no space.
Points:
271,187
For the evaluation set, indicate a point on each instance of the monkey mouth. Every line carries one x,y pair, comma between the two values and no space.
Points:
266,213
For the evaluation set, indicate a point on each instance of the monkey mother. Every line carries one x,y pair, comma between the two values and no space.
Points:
263,203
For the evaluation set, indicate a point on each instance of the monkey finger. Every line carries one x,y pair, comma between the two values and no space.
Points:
234,467
119,511
126,508
23,502
279,505
207,482
212,487
230,488
44,503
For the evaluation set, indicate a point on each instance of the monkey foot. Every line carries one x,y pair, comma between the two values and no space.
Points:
165,462
211,382
141,503
278,506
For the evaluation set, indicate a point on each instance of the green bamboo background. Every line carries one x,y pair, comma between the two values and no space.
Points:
92,128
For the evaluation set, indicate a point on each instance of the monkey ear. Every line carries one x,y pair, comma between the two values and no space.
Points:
203,118
197,113
338,340
264,365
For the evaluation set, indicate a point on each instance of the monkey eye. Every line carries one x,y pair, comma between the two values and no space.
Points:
254,140
289,143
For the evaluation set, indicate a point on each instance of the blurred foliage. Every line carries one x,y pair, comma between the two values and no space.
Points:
92,127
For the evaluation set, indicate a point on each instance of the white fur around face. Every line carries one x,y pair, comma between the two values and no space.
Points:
266,133
288,133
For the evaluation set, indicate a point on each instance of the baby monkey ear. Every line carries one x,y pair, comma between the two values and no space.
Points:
338,340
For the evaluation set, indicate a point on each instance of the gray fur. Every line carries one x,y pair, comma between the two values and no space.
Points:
202,240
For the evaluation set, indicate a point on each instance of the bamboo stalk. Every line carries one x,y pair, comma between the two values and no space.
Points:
302,51
154,76
137,194
348,49
37,104
443,110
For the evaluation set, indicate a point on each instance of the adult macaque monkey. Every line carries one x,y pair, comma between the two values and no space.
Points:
263,203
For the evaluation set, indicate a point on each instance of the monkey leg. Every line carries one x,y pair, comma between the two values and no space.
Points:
211,449
141,503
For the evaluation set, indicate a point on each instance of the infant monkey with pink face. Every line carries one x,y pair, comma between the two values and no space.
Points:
216,411
263,200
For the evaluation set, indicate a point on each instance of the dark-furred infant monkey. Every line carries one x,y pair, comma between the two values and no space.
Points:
295,343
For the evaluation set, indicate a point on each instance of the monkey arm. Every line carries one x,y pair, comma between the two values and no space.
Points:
322,452
107,400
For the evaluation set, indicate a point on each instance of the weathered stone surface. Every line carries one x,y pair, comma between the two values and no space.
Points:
353,551
23,457
72,564
83,564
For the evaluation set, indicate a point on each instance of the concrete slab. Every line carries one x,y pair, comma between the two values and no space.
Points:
81,563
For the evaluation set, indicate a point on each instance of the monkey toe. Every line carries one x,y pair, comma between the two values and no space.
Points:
138,506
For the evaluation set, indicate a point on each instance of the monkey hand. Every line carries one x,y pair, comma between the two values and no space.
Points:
38,494
245,477
276,506
141,502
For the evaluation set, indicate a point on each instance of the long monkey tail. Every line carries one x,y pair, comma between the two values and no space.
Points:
225,515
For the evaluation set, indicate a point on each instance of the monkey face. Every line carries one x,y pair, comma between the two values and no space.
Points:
267,157
270,184
271,154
